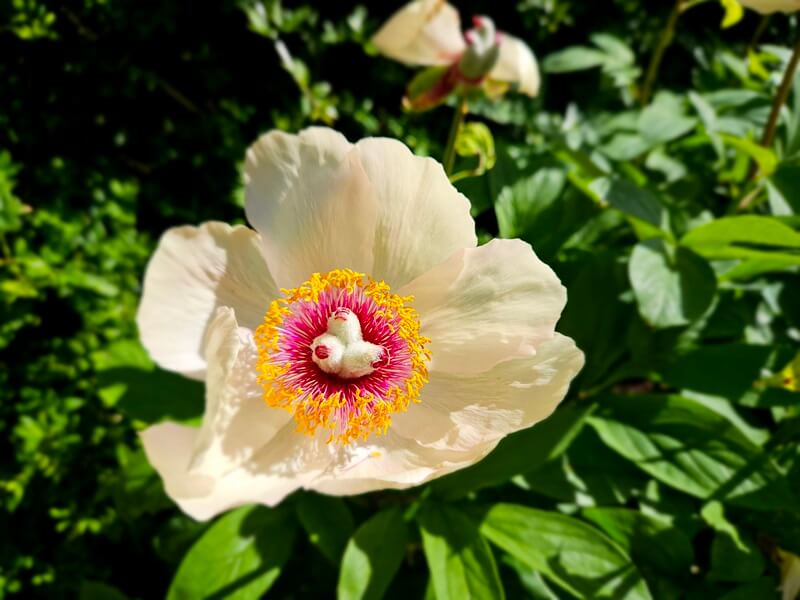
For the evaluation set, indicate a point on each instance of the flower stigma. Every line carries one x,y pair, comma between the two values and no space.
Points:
342,353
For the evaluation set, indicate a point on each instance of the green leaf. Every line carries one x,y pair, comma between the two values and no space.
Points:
373,556
459,559
239,557
427,89
763,587
653,543
575,58
588,474
520,206
11,208
97,590
746,236
626,146
128,379
734,556
726,370
693,449
572,554
328,523
633,201
595,316
673,286
520,452
765,158
661,122
784,189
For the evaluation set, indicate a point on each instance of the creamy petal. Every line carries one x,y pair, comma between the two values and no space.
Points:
245,451
458,412
425,32
308,196
393,462
772,6
517,64
485,305
422,218
193,271
283,467
237,422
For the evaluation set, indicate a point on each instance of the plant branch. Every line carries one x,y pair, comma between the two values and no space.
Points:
781,97
455,127
762,27
667,35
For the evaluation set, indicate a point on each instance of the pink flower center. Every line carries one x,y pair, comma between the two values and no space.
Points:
341,352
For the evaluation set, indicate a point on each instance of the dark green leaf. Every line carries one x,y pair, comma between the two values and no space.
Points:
328,523
373,556
128,379
459,559
574,555
691,448
575,58
238,557
673,286
632,200
653,543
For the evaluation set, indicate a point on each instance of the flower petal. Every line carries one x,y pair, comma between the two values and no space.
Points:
425,32
772,6
422,218
486,305
237,423
193,271
280,469
309,198
393,462
517,64
244,451
459,412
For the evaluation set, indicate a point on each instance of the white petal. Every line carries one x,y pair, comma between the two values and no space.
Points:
237,422
485,305
422,218
281,468
193,271
245,451
309,198
772,6
393,462
425,32
517,64
459,412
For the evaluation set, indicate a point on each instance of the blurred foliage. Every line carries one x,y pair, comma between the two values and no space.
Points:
672,470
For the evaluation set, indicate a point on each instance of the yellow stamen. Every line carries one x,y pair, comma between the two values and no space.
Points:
368,414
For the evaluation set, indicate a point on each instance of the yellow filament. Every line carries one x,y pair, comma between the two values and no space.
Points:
370,414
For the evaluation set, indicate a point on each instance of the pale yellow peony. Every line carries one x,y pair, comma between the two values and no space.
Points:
356,339
771,6
428,33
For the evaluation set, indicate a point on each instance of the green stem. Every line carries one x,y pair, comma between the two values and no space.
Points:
771,128
455,127
762,27
667,35
780,97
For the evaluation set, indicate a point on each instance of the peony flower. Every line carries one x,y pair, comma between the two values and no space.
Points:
790,574
767,7
428,33
355,340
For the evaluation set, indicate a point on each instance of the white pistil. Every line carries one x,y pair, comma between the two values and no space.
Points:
342,351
